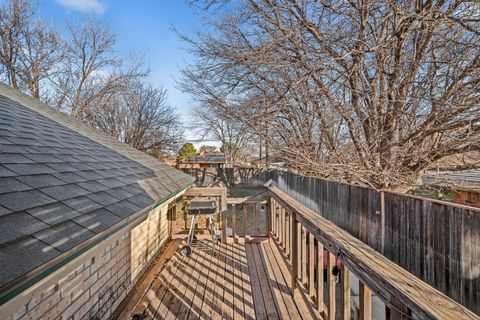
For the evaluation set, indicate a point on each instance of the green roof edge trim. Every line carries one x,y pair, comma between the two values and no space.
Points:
64,259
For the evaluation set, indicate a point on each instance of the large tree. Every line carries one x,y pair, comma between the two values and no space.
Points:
141,117
30,50
363,91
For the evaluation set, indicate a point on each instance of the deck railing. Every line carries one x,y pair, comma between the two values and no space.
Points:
300,232
311,244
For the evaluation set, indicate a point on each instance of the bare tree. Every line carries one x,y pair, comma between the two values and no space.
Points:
363,91
29,48
232,134
92,72
141,117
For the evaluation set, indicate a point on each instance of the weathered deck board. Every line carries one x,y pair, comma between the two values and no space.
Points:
239,281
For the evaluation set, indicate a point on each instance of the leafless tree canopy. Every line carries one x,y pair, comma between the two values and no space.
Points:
141,117
234,135
81,74
371,91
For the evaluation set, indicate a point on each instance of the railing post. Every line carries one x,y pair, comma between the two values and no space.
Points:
294,251
223,210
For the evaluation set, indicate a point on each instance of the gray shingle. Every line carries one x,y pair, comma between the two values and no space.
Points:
13,158
18,224
64,236
4,172
123,208
92,186
18,201
22,256
54,213
12,185
97,220
141,200
65,192
40,180
82,204
111,182
29,168
103,198
69,177
4,211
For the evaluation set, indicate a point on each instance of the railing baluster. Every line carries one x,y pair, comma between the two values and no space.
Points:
255,231
311,265
282,221
295,239
288,239
304,256
298,227
345,293
319,294
331,286
244,220
234,218
365,302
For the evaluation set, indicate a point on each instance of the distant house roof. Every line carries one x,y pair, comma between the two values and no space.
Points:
62,183
214,157
463,179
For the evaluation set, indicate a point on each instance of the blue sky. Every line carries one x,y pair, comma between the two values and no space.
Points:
142,28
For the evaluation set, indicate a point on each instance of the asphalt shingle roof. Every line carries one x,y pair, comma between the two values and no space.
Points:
62,182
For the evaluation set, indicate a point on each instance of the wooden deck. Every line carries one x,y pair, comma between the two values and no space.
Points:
240,281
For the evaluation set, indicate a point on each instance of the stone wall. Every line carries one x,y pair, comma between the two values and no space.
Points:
95,283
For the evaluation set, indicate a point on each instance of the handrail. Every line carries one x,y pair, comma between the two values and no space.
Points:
388,280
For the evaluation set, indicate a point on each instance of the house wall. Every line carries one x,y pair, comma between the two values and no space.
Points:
466,197
95,283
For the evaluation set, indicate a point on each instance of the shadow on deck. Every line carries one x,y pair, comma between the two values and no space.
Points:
238,281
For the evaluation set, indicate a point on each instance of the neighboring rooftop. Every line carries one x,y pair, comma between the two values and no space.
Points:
463,179
210,157
62,183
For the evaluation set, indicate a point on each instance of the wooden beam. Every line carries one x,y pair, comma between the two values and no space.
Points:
345,310
331,287
205,192
365,302
376,271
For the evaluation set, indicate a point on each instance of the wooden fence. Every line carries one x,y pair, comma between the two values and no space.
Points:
438,242
227,177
